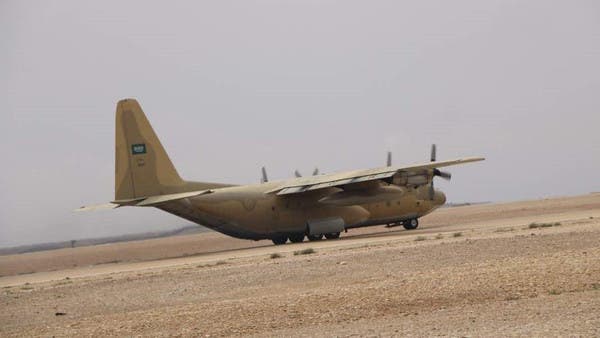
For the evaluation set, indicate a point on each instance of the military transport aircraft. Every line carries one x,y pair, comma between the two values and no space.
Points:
313,206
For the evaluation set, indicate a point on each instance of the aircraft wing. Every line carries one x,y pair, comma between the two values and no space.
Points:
305,184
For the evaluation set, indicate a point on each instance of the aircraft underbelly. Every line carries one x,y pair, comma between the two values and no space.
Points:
230,227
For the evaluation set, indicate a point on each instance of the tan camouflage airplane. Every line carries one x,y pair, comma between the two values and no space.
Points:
312,207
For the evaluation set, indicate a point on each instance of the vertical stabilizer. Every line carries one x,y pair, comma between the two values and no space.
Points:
142,166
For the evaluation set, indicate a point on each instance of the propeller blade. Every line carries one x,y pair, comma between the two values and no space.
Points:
264,177
436,172
297,173
316,172
431,190
389,159
443,174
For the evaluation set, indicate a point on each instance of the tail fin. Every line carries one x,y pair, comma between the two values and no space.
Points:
142,166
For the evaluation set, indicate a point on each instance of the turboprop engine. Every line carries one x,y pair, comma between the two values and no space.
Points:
419,179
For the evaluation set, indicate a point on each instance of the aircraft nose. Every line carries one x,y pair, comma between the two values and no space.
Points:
439,197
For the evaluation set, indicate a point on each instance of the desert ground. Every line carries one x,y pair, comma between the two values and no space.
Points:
529,268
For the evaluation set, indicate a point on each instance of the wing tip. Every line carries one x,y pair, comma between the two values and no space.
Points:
474,159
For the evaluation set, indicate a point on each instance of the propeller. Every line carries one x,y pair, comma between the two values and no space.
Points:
314,173
389,159
436,172
264,177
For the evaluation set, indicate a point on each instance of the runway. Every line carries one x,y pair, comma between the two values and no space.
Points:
476,219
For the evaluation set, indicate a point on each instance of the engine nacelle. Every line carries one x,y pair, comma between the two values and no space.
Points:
411,180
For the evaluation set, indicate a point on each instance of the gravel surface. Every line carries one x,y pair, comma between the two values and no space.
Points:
489,279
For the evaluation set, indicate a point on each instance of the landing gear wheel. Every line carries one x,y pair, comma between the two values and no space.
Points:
313,238
279,240
411,224
333,235
296,238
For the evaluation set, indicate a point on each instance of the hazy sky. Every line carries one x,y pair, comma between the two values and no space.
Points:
230,86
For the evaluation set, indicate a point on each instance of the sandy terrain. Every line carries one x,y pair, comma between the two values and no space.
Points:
467,271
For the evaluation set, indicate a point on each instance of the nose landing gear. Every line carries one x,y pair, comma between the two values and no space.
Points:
409,224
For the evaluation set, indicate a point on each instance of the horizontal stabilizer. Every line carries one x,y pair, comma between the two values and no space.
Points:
145,201
156,200
98,207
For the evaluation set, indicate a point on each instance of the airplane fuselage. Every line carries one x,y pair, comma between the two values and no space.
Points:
250,212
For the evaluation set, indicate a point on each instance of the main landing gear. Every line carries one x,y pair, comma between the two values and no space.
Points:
299,237
296,238
313,238
278,240
333,235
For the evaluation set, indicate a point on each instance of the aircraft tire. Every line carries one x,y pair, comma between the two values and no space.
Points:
296,238
333,235
279,240
411,224
313,238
